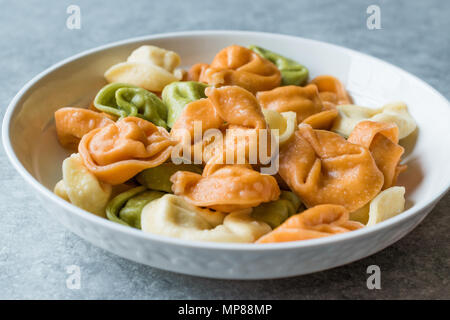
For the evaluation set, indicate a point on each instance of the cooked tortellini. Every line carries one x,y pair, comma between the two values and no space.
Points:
292,73
123,100
230,109
243,149
316,222
149,67
178,94
350,115
173,216
82,188
126,207
285,123
321,167
382,140
331,91
119,151
243,119
158,178
304,101
387,204
276,212
225,188
73,123
239,66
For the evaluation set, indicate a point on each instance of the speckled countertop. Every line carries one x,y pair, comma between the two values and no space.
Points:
35,250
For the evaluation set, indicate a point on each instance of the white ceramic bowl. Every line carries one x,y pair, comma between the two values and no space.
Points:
30,142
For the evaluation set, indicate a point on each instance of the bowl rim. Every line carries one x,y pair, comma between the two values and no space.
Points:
132,232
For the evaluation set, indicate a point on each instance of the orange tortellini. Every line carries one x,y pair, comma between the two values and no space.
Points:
233,111
304,101
73,123
236,65
317,222
331,91
381,139
119,151
321,167
243,149
225,187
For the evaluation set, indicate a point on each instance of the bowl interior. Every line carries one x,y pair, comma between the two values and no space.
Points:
370,81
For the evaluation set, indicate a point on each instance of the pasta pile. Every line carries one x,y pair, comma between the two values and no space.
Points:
138,159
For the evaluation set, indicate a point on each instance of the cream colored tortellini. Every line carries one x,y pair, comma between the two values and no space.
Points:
397,112
82,188
285,122
60,190
149,67
385,205
173,216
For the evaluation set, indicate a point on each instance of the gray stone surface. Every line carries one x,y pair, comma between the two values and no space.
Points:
34,250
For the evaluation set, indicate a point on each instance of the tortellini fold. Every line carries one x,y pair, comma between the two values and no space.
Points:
126,207
121,150
148,67
387,204
200,111
225,188
123,100
304,101
73,123
331,91
158,178
237,106
276,212
382,140
178,94
245,125
292,73
350,115
236,65
174,217
321,167
82,188
233,111
317,222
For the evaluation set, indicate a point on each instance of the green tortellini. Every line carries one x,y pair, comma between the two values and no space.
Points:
124,100
178,94
126,207
158,178
292,73
276,212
